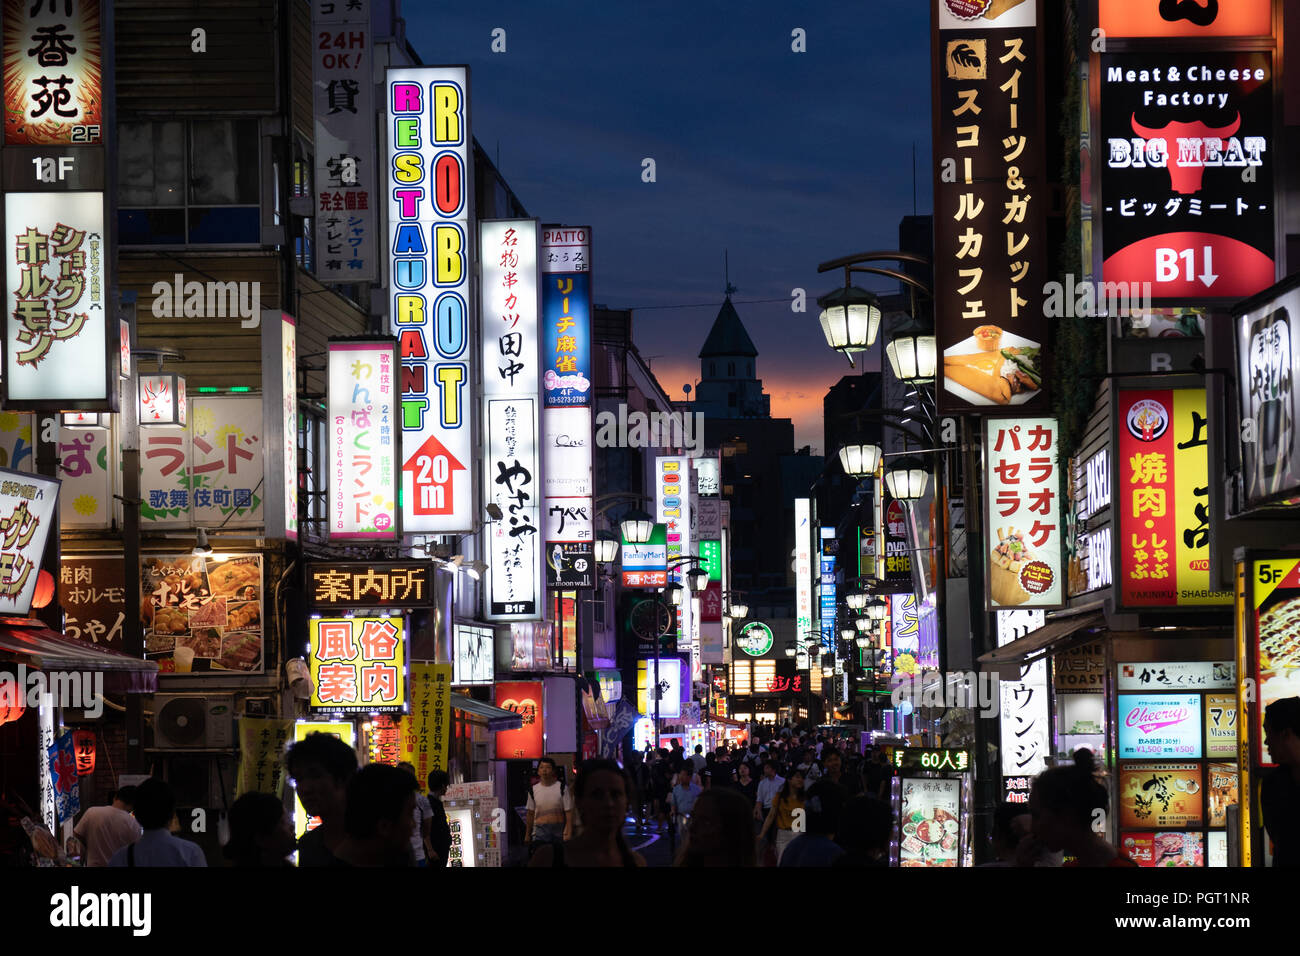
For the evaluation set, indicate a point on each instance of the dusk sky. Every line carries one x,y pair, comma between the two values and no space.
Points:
786,159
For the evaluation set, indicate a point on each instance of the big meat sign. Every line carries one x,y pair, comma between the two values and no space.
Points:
1187,199
990,203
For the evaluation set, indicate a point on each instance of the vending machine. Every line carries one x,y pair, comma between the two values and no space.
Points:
932,800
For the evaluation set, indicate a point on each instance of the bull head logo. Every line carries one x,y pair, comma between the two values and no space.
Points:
1186,166
1202,15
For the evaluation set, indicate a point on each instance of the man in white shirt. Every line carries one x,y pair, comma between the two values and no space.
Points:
155,805
105,830
420,844
550,808
768,788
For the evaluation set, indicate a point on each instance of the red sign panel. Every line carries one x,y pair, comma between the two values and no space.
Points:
525,699
1186,18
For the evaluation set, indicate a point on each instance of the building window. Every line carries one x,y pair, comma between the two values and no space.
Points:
731,369
192,182
713,369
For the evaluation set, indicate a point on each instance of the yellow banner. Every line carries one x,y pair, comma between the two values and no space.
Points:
426,737
262,743
346,732
1191,430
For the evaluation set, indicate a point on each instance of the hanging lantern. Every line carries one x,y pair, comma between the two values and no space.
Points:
83,745
85,420
162,400
11,699
44,593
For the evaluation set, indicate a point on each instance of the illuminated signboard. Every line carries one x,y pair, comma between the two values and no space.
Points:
53,79
1274,654
1185,18
1163,499
990,201
358,664
566,421
755,639
525,699
289,422
344,731
929,826
430,178
943,759
904,634
803,535
1187,173
474,663
362,430
673,511
670,686
346,215
28,504
511,389
1161,795
57,344
645,565
369,584
1024,510
1268,358
1177,675
1159,725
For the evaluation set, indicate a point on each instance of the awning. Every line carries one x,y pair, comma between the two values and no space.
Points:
498,718
31,643
1053,636
714,718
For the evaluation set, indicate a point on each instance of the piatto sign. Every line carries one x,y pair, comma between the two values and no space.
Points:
1187,197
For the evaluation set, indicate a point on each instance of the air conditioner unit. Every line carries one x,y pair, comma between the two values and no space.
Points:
194,722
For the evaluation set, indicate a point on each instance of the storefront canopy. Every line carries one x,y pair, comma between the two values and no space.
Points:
727,721
1054,636
498,718
33,644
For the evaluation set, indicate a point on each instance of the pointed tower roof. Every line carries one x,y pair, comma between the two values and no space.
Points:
728,335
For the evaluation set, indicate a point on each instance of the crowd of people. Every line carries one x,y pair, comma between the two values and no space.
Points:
794,799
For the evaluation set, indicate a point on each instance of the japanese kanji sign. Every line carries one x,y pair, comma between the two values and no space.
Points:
512,405
930,822
364,436
1023,508
370,585
358,664
803,568
288,395
27,508
566,421
198,474
262,745
63,777
1162,494
672,484
52,73
1161,795
1187,200
990,202
1268,359
56,332
1272,651
343,104
645,565
525,699
512,481
430,243
92,593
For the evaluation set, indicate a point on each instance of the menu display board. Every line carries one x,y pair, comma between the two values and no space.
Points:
931,822
1161,795
1276,650
1221,725
1164,849
1224,782
202,614
1159,725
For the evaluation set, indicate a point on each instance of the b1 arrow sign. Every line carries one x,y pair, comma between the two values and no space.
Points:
432,485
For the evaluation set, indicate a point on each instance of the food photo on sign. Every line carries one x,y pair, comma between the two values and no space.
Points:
202,614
